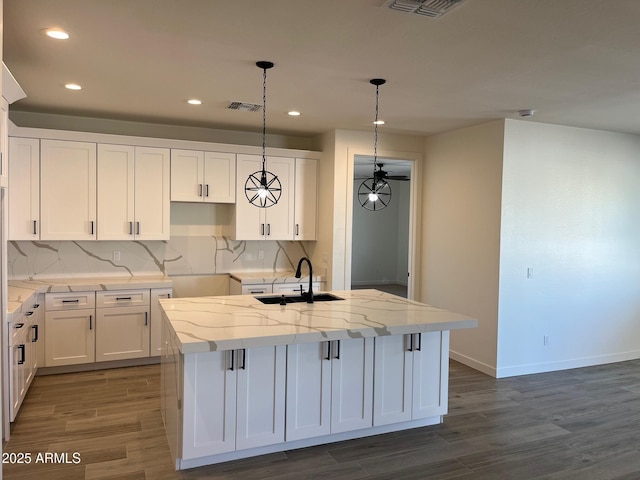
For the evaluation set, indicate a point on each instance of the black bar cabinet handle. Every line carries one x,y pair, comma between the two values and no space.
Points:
244,359
137,228
22,357
35,338
232,355
146,318
71,301
130,228
328,357
337,357
123,298
419,342
199,189
35,227
90,322
206,190
410,347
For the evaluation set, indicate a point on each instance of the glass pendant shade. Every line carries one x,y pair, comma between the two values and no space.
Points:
263,188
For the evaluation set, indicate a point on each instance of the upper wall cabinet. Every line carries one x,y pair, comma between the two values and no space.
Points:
294,216
67,190
306,195
11,92
133,193
208,177
275,222
24,189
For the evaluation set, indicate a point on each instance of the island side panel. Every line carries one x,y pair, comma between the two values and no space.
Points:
171,388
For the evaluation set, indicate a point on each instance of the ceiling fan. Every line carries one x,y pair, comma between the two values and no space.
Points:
381,174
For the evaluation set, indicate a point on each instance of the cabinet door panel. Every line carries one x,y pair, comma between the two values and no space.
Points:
308,391
249,219
67,190
279,217
24,189
122,333
115,192
393,367
305,204
261,396
219,177
431,373
209,405
352,385
70,337
186,175
152,193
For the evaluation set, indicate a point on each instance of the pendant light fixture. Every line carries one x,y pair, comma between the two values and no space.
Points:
263,188
375,193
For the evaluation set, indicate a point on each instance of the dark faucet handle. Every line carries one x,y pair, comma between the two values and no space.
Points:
283,300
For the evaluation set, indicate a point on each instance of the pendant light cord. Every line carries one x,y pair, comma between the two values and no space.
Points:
264,118
375,137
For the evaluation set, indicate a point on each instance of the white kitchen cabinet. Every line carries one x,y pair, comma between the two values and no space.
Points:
329,387
122,333
306,195
38,329
275,222
133,193
67,190
155,320
24,188
69,328
23,357
198,176
70,337
152,193
123,325
240,405
411,374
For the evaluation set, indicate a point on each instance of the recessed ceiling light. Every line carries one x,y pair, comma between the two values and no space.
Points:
378,122
194,101
73,86
294,113
56,33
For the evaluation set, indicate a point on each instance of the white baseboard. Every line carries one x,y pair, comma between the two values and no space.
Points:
566,364
473,363
532,368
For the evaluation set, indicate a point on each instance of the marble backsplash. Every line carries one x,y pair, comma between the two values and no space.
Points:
181,255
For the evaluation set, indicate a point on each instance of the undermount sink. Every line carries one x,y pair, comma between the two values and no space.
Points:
280,299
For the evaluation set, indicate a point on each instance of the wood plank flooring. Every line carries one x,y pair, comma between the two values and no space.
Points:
574,424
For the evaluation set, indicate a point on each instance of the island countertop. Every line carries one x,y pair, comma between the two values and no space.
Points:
205,324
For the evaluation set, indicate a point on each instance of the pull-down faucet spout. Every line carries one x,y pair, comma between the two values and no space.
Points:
299,274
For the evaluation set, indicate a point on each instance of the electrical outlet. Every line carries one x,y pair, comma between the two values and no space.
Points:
116,255
260,254
545,340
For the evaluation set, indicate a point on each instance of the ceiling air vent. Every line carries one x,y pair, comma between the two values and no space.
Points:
426,8
245,107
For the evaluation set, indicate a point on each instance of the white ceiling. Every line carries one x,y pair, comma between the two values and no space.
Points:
574,61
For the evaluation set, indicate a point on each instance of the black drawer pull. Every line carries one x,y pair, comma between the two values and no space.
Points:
22,354
28,314
19,325
35,338
123,298
77,300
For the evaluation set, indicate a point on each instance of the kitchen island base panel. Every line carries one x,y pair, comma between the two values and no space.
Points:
309,442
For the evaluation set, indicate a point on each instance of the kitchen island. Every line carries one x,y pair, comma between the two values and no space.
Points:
241,378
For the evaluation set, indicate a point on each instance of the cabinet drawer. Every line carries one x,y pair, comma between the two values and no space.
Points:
286,288
70,301
256,289
17,330
122,298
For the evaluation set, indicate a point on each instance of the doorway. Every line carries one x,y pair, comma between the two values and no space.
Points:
380,256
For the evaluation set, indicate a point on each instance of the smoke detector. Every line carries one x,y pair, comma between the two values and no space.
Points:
245,107
426,8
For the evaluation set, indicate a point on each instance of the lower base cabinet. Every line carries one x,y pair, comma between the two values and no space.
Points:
70,337
239,405
220,406
329,387
112,343
411,377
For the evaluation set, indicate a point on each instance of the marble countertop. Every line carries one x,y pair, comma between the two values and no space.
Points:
19,291
206,324
254,278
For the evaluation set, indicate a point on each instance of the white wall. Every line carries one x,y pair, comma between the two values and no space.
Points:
571,212
461,235
380,239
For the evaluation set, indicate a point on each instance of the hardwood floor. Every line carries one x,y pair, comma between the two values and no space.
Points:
574,424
